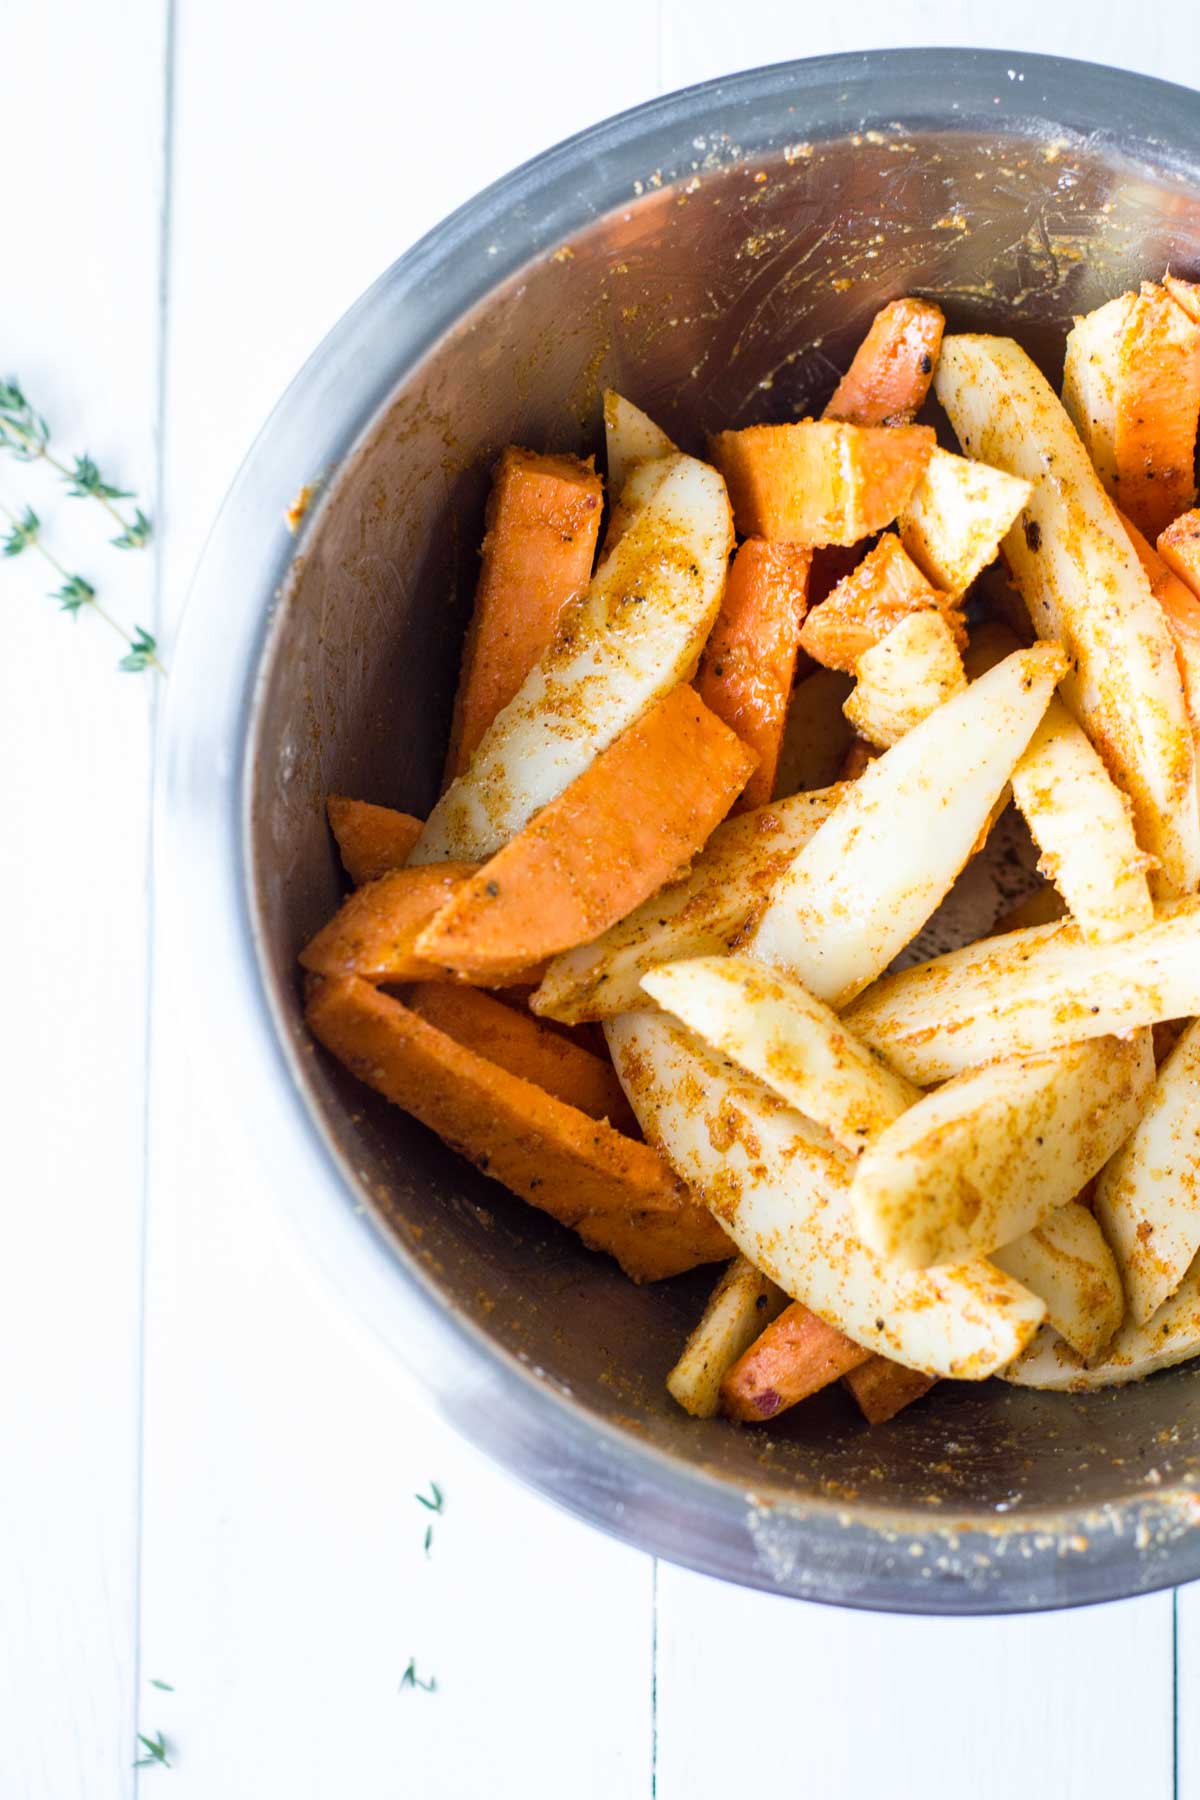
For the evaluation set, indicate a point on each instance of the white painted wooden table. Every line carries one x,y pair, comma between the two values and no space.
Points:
208,1473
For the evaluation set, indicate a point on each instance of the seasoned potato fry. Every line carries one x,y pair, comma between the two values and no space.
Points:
1067,1263
905,678
774,1029
816,734
630,437
638,631
698,915
869,879
1082,824
1148,1197
1170,1337
1090,375
1132,387
1185,294
993,1152
956,517
1066,549
780,1187
371,840
743,1301
880,591
820,482
1029,990
1179,547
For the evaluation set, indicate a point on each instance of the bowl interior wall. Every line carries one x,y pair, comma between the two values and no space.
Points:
723,299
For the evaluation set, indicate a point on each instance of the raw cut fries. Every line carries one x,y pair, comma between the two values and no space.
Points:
991,1153
794,1357
742,1303
542,521
884,588
776,1030
371,840
637,631
618,1194
902,680
717,811
1148,1197
642,809
780,1187
870,877
1067,1263
819,482
698,915
1068,546
746,671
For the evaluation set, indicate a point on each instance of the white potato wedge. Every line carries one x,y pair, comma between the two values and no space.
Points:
698,915
741,1306
875,871
816,732
630,436
780,1187
1083,825
956,517
1085,588
903,678
1089,390
993,1152
1170,1337
635,634
1148,1197
1067,1263
774,1029
1028,990
635,493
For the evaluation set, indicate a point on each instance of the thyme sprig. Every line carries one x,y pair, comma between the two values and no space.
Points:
154,1751
434,1504
76,592
410,1679
26,434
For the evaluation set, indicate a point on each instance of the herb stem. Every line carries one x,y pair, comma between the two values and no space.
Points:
33,538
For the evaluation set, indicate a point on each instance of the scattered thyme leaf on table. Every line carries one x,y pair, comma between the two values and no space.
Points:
164,1687
436,1504
410,1679
154,1752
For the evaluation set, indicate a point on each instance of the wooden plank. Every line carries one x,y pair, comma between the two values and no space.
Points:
1070,1704
285,1584
82,119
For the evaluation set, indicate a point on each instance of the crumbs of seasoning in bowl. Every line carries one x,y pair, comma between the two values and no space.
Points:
294,515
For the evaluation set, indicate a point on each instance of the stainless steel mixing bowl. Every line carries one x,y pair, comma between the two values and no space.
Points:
715,255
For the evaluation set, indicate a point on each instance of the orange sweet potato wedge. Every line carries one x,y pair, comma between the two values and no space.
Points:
1179,601
617,1193
888,380
371,839
374,932
527,1047
794,1357
748,663
884,588
616,834
1157,410
882,1388
820,481
1179,547
542,519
